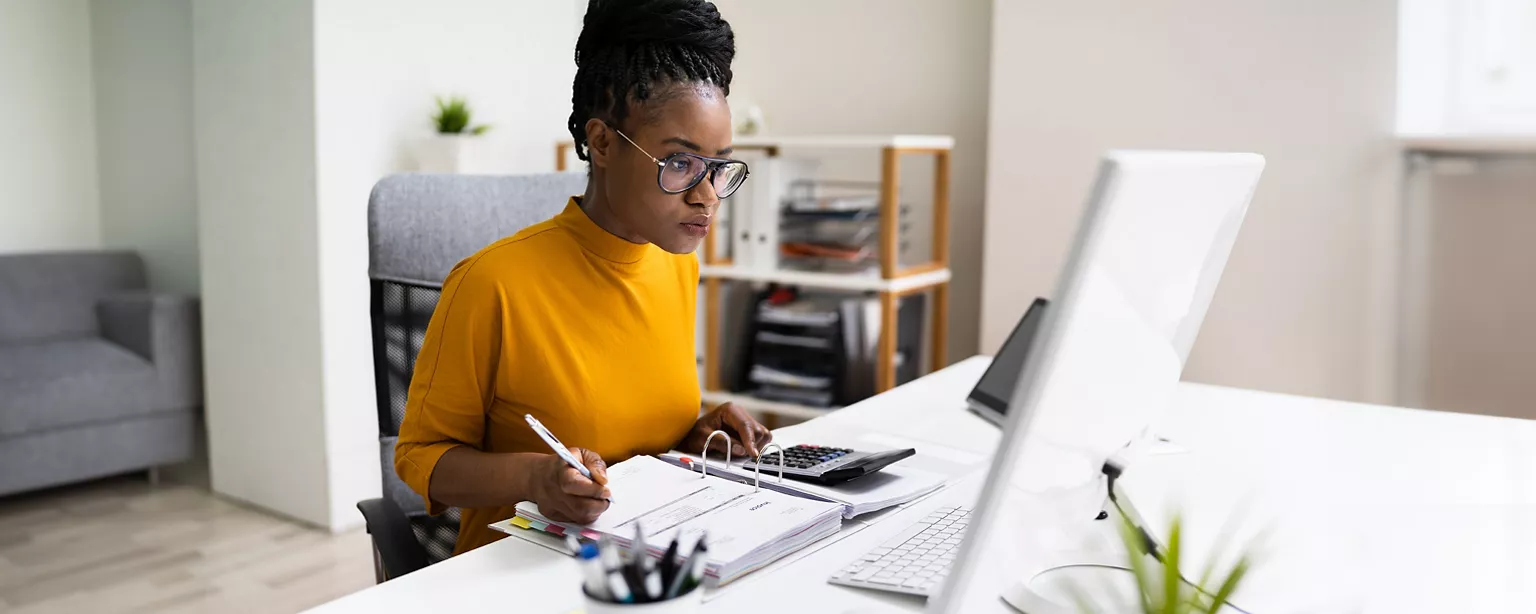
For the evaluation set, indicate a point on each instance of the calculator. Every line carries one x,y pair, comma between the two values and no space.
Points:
827,465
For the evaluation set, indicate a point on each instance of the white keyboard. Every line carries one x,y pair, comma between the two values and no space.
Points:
915,561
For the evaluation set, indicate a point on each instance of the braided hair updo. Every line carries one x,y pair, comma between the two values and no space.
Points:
629,50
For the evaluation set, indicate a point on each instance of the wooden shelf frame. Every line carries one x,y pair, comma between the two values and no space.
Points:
932,276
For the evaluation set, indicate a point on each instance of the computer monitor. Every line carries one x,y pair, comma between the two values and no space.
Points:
989,399
1128,305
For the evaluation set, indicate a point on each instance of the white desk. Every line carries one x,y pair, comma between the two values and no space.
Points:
1367,508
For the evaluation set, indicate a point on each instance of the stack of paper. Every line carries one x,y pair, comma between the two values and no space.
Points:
891,486
746,529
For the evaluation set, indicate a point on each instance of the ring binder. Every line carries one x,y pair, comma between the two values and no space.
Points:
757,479
704,454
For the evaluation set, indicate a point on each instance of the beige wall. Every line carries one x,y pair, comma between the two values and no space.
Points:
142,55
1306,304
47,128
1480,284
873,67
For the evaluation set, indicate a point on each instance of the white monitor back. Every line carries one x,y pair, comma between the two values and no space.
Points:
1149,252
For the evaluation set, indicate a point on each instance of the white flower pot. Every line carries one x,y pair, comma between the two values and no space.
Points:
448,153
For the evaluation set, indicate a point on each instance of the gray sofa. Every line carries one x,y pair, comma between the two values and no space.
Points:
98,376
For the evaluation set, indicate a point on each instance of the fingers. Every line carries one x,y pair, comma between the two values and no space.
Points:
594,464
748,431
578,510
719,444
764,436
573,483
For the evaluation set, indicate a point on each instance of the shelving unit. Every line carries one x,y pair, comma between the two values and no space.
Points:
893,282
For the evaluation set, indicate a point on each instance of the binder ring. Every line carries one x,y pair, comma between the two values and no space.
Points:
704,454
757,479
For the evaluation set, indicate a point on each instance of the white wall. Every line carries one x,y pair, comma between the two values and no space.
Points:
142,55
378,65
47,127
1306,304
254,118
882,66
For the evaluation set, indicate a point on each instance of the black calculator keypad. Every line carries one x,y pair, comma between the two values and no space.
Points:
806,456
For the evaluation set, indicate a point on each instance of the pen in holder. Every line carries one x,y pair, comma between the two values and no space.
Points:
637,586
686,603
704,454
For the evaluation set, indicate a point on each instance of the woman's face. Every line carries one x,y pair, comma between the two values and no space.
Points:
693,118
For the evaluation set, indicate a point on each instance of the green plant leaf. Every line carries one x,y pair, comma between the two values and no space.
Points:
1133,547
1172,588
480,129
453,115
1229,585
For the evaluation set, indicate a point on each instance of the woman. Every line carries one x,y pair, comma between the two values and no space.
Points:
586,321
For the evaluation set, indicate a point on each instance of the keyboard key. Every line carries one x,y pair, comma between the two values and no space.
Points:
915,582
884,579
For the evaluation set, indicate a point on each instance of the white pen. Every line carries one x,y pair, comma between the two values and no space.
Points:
560,449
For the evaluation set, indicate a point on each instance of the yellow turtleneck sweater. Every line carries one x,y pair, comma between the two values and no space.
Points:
590,333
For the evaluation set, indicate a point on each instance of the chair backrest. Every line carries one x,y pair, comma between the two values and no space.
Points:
419,226
51,295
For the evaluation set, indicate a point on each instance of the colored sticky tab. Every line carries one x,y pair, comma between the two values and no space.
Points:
590,534
519,521
536,525
555,528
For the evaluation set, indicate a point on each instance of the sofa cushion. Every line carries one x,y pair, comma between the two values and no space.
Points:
69,382
50,296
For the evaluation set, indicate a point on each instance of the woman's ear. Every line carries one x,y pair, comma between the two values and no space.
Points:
599,142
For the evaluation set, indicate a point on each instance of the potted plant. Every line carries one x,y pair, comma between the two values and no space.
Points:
1161,587
454,145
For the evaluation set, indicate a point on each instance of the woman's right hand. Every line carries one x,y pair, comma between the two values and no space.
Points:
564,495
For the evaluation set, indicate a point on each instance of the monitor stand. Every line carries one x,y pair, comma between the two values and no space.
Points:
1059,588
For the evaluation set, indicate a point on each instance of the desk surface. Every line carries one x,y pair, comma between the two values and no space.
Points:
1362,508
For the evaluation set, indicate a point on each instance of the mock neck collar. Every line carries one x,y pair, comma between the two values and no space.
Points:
593,238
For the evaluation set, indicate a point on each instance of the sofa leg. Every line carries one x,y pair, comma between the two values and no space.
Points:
154,476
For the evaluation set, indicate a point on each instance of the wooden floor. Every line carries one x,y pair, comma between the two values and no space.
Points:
122,545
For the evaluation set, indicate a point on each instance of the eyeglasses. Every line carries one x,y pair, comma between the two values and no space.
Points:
681,171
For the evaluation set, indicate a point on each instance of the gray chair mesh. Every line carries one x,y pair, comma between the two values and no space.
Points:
401,313
404,312
437,533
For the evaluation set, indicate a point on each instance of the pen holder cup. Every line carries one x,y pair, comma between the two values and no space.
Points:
686,603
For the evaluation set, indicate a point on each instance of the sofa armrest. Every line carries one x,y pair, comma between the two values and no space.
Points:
165,329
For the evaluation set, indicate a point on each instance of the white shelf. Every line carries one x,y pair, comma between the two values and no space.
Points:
1470,144
912,141
832,281
778,408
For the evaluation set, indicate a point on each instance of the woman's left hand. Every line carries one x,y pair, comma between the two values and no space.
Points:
748,436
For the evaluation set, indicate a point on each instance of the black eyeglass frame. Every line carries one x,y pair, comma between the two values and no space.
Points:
711,166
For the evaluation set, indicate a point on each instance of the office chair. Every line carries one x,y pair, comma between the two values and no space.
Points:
419,227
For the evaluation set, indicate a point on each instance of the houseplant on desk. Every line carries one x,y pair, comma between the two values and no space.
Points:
1162,587
456,143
